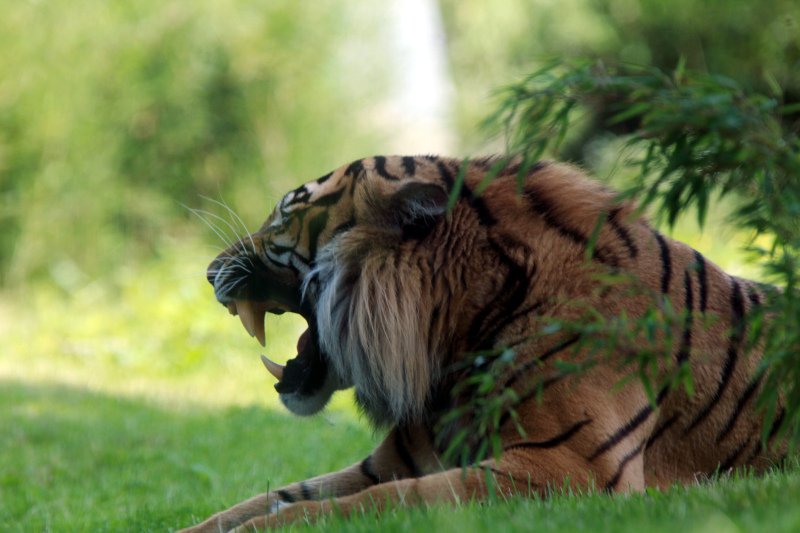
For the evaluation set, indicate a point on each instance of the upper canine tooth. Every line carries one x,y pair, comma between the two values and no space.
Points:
252,316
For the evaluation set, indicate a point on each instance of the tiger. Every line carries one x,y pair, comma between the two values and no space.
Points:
414,272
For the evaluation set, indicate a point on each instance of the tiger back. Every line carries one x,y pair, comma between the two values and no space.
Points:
418,279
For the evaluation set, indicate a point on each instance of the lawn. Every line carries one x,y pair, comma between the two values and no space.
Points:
138,404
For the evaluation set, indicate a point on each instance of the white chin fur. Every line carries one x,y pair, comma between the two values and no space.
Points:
309,405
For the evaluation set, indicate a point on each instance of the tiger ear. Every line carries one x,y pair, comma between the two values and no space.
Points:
417,207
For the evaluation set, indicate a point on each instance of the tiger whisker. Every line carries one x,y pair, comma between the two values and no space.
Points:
236,218
236,239
201,214
239,240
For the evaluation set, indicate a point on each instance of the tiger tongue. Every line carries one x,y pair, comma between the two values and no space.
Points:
276,369
302,342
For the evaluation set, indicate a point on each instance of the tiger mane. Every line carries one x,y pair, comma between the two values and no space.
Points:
372,318
379,308
406,299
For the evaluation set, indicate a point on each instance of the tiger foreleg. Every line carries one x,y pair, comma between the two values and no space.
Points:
347,481
451,486
509,476
405,452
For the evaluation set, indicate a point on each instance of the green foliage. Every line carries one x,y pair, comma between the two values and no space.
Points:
113,115
698,137
642,347
758,44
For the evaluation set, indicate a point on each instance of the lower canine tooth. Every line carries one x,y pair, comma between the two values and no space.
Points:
273,368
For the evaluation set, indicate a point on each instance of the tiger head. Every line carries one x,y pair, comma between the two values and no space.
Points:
312,256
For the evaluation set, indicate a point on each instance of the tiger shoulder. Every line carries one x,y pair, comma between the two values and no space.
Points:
458,297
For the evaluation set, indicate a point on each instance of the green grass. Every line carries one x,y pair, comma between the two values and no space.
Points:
138,404
75,460
81,461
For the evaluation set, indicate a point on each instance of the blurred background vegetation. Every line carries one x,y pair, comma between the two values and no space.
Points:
116,117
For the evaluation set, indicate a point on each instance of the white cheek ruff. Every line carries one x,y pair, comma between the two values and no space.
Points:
304,405
373,326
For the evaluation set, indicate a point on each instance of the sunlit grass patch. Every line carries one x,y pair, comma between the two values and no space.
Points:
81,461
139,404
75,460
730,504
153,331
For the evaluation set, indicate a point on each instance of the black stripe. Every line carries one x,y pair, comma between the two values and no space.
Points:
630,456
344,226
536,167
315,227
702,276
484,163
409,165
405,456
305,491
368,472
323,179
507,300
731,459
433,322
380,167
485,215
666,262
553,442
531,392
479,205
286,496
622,232
545,210
516,481
328,199
490,339
631,425
446,174
300,195
736,335
510,170
686,341
754,296
355,169
288,266
754,454
517,375
776,425
748,393
661,430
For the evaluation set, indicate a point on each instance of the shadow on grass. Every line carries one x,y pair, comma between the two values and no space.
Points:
75,460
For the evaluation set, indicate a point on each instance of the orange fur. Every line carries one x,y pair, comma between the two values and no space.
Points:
401,295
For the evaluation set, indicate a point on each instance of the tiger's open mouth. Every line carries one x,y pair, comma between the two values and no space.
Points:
303,374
